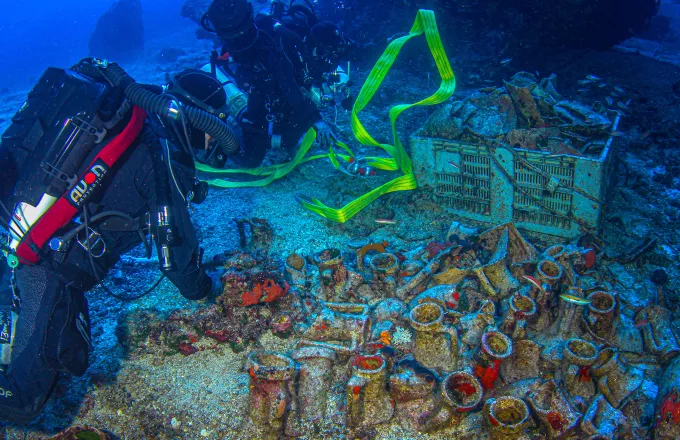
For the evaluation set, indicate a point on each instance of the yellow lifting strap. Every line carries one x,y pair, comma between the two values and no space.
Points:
398,160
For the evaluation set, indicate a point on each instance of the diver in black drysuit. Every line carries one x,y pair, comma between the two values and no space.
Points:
53,332
278,59
274,98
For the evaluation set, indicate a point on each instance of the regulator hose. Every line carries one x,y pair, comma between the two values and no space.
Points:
215,127
163,105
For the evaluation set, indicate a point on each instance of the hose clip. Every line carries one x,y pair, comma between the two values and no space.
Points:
92,242
173,110
100,62
358,167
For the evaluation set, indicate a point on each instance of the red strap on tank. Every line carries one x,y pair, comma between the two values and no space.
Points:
59,214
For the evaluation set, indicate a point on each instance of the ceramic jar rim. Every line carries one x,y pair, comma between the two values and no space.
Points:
592,307
296,261
391,258
282,368
525,299
375,357
422,324
547,276
500,335
313,352
469,379
555,250
601,368
519,402
580,358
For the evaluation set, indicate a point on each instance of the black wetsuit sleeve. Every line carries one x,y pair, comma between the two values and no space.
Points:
188,275
303,110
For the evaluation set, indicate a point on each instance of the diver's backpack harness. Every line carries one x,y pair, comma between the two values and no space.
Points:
68,205
61,125
63,141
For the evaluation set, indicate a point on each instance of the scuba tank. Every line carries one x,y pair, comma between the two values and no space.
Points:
232,112
237,100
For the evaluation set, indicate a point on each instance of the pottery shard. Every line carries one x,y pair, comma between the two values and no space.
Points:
528,115
575,113
495,115
442,125
548,86
523,363
519,249
530,139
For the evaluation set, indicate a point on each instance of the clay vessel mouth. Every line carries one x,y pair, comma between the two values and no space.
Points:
368,364
605,361
308,353
384,262
355,243
426,314
601,302
327,258
509,411
581,352
496,345
271,366
549,269
523,304
555,251
295,261
462,390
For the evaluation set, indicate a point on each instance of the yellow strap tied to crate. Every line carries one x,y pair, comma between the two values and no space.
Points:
398,160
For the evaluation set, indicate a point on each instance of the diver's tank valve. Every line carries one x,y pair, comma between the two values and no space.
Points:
237,100
165,237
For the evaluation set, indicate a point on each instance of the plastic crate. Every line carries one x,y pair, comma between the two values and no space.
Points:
475,189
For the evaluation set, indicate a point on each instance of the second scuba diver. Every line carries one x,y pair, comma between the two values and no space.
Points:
275,59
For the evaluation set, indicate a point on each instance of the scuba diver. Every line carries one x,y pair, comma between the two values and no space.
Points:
276,59
92,163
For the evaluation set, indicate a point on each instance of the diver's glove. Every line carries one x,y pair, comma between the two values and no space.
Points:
324,134
217,287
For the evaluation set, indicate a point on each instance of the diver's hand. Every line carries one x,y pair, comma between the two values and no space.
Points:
216,281
216,286
324,134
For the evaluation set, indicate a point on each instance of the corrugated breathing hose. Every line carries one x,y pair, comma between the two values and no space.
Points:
161,105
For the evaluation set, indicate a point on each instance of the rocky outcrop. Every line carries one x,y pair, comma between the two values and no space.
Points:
119,34
194,9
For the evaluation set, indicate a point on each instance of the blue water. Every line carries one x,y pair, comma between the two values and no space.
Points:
38,33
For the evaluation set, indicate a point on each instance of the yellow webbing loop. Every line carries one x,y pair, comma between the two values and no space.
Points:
398,160
424,23
272,172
